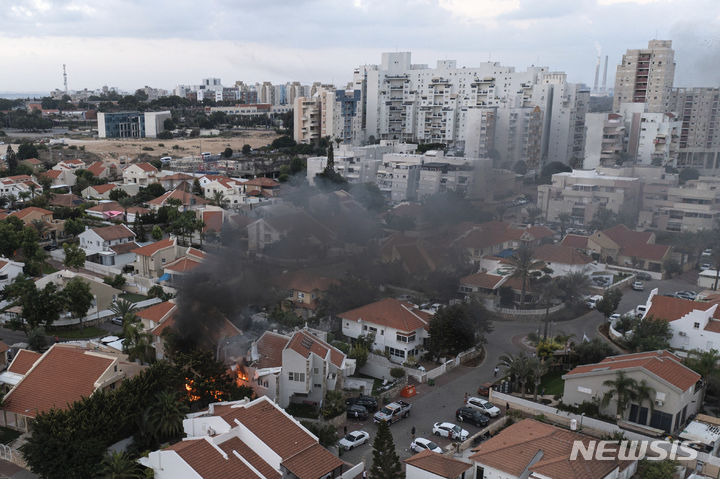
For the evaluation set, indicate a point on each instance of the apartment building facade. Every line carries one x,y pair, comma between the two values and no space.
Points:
646,76
604,142
699,143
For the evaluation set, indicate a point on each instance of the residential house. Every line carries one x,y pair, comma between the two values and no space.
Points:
106,210
14,187
563,259
209,337
60,177
109,245
625,247
263,364
135,212
304,288
101,170
482,282
266,231
262,187
694,324
173,180
19,365
494,237
67,200
532,449
4,357
33,163
231,189
104,295
250,440
152,316
150,260
176,270
62,375
98,192
311,367
213,219
70,164
433,465
141,174
42,220
188,201
399,328
9,270
676,389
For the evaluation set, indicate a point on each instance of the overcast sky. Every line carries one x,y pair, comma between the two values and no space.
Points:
132,43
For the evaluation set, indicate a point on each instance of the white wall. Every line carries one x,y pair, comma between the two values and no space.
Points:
169,465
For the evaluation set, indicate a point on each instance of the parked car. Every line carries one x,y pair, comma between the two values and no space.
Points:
356,411
369,402
643,276
707,252
484,406
592,301
393,412
450,430
354,439
640,310
705,266
484,389
472,416
638,286
117,320
420,444
691,295
614,317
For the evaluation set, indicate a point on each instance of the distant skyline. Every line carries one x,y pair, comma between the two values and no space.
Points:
162,43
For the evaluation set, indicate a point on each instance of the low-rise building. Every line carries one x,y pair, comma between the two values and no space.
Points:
9,270
691,207
60,177
101,170
98,192
188,201
141,174
433,465
494,237
150,260
109,245
676,391
106,210
104,295
398,328
625,247
47,226
14,186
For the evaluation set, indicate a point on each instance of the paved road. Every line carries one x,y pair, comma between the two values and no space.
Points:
439,403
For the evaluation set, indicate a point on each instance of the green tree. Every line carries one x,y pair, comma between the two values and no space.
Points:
11,160
386,464
166,416
518,368
26,150
609,302
117,194
603,219
74,226
671,267
79,298
523,263
246,149
74,256
456,328
705,363
650,334
120,465
687,174
564,219
644,392
549,291
622,390
39,306
157,233
36,339
539,368
197,188
665,469
574,286
590,352
122,308
9,238
169,124
228,153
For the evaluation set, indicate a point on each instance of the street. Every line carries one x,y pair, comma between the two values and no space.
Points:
439,403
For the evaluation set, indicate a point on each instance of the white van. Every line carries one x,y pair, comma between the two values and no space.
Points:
640,310
592,301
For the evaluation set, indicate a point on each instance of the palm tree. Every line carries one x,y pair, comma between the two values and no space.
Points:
119,465
33,187
166,418
518,367
622,390
126,203
123,308
705,364
539,369
644,392
548,291
41,227
564,219
219,199
574,286
24,195
523,263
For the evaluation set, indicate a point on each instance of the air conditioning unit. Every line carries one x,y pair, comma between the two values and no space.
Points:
682,333
659,403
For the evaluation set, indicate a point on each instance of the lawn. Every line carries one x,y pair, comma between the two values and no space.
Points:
85,333
8,435
553,383
133,297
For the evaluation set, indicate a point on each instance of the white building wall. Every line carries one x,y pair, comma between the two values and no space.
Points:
155,122
169,465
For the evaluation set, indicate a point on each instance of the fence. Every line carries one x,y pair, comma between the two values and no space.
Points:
354,471
653,274
509,313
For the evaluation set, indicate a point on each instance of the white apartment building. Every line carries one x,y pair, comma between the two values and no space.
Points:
699,144
357,164
651,138
581,193
646,76
604,140
409,102
690,207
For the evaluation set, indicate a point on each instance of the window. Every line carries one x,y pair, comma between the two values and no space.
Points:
399,353
696,325
315,370
300,377
584,390
301,295
317,385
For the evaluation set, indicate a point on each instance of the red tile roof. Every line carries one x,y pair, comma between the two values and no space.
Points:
124,248
209,463
557,253
482,280
636,243
662,364
575,241
146,167
96,168
152,248
515,448
29,210
438,464
51,174
262,182
157,312
670,308
68,200
102,189
235,444
270,347
304,343
213,221
186,198
109,233
312,463
63,375
23,361
104,206
392,313
182,265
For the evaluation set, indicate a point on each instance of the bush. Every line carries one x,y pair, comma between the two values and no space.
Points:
397,373
334,404
324,432
117,281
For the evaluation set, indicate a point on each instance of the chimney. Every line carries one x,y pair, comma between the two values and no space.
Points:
597,75
604,83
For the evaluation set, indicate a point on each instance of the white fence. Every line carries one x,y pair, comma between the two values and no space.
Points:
354,471
653,274
102,269
526,313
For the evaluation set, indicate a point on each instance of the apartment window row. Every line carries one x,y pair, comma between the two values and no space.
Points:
399,353
405,339
299,377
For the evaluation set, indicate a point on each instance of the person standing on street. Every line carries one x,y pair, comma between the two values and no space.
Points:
497,370
412,431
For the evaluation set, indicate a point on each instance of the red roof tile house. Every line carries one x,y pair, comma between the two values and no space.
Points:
9,270
263,364
676,390
99,192
625,247
249,440
433,465
399,327
694,324
31,215
264,187
495,236
535,450
100,170
140,174
188,201
304,288
109,245
62,375
151,259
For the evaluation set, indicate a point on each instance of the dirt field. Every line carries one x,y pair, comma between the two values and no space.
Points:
114,149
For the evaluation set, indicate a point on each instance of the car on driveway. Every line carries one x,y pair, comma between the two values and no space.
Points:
643,276
117,320
356,411
705,266
369,402
638,286
484,406
691,295
484,389
420,444
450,430
614,317
354,439
472,416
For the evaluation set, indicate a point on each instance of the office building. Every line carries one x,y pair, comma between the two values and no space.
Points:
132,124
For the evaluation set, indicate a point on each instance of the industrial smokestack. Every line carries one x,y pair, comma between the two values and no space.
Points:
604,83
597,75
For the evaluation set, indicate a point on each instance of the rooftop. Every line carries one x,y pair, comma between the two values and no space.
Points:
390,312
438,464
114,232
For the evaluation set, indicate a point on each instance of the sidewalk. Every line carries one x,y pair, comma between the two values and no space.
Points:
8,470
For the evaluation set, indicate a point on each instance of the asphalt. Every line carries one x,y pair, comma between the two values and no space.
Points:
439,402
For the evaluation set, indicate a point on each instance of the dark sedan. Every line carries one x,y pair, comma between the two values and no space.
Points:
472,416
369,402
357,411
